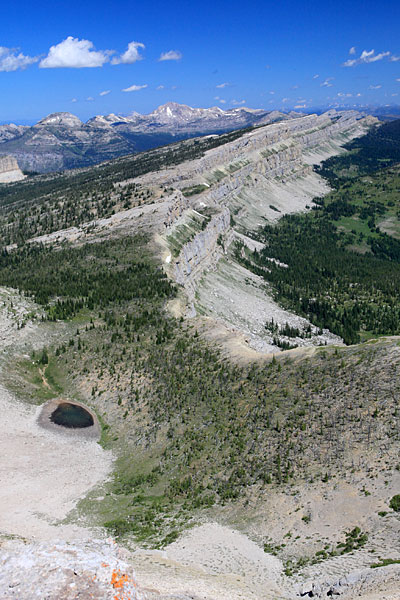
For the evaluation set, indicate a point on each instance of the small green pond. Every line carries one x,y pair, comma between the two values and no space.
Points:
72,416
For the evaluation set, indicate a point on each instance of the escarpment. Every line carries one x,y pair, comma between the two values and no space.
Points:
9,170
203,250
259,176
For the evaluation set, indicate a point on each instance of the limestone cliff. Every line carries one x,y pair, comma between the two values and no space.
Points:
261,175
202,252
9,170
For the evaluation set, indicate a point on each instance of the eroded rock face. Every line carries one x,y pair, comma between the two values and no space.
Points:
203,251
9,170
239,177
63,571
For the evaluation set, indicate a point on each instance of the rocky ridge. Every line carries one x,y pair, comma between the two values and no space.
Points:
225,176
202,204
62,141
262,175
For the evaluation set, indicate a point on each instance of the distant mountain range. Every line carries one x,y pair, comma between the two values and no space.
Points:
62,141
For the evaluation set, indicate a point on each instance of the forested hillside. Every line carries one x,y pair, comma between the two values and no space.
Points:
343,257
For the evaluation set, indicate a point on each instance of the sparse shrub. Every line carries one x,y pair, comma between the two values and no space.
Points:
395,503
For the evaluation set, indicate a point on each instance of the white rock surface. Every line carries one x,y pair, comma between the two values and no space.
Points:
9,170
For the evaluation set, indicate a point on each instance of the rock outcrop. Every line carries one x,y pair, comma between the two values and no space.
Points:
236,179
9,170
255,178
202,252
62,571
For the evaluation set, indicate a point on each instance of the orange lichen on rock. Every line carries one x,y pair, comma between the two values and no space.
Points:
118,581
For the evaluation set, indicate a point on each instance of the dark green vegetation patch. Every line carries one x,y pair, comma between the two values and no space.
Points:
343,257
378,149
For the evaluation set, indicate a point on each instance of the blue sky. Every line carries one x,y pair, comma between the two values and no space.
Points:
96,57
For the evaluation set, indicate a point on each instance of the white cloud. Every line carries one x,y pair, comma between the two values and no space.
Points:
11,61
238,102
327,82
398,79
352,50
135,88
394,94
171,55
223,85
160,87
366,56
342,95
220,99
272,92
104,93
74,53
90,99
394,58
74,100
285,99
130,56
300,106
374,87
316,76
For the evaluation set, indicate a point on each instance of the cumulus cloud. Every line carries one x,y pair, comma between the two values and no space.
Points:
394,58
130,56
352,50
220,99
366,56
135,88
74,53
171,55
374,87
222,85
316,76
104,93
12,60
238,102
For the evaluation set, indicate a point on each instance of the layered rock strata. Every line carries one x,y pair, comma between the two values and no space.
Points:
243,177
9,170
202,252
